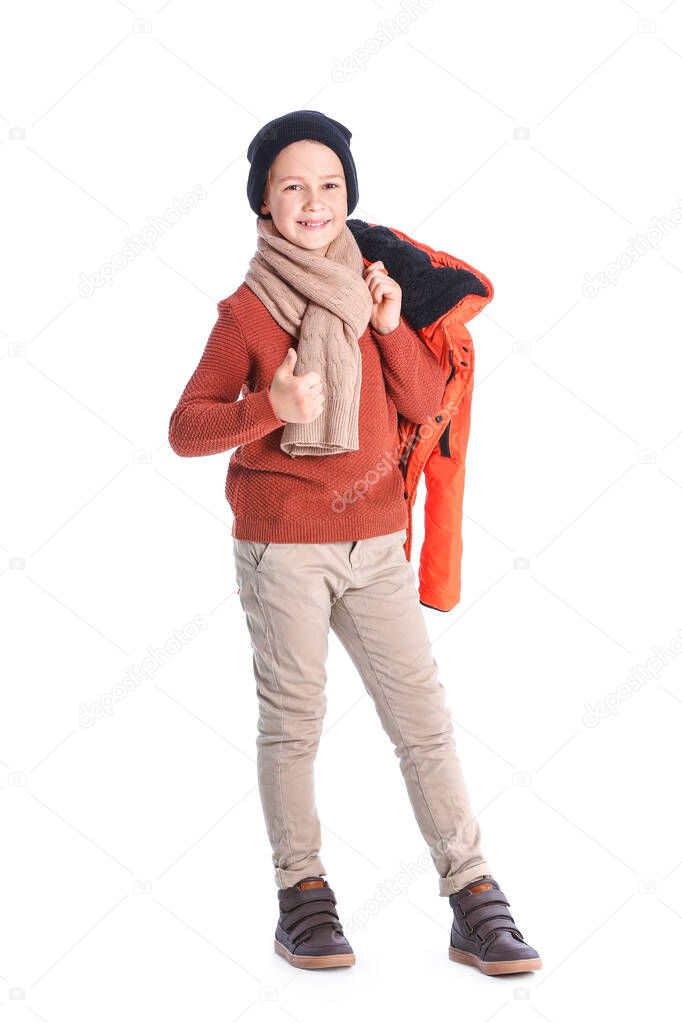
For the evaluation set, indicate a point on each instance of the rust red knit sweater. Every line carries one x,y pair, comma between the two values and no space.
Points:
310,498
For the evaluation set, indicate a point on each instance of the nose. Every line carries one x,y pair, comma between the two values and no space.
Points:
313,200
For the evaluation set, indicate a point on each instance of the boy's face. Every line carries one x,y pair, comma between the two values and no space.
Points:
306,183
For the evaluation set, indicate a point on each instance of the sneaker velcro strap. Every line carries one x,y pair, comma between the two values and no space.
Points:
493,923
292,916
307,923
482,899
475,916
296,897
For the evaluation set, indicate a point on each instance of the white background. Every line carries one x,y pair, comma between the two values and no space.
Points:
533,140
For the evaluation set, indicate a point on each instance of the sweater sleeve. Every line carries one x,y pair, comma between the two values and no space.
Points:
209,418
414,378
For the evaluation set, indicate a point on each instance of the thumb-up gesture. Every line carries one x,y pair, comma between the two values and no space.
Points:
296,399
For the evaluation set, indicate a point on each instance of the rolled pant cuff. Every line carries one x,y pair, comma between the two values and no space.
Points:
287,878
453,883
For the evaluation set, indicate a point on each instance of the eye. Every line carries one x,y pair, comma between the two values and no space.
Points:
330,184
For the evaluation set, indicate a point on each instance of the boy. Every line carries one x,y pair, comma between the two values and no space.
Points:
319,532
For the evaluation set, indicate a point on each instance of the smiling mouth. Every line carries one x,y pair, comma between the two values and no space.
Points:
313,225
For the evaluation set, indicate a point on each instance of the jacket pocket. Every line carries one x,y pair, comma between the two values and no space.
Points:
444,442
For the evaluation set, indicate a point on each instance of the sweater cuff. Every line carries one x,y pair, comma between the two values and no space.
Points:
399,337
263,409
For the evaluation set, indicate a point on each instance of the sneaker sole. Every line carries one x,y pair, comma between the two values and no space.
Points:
493,969
315,962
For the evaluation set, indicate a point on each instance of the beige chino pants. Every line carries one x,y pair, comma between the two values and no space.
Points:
366,590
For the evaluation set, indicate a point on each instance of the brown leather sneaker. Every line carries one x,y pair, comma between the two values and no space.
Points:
309,933
483,932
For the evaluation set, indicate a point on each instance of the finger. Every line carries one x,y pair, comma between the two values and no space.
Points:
379,288
311,379
377,275
378,266
371,282
376,293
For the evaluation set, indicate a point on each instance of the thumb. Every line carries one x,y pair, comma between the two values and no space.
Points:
289,360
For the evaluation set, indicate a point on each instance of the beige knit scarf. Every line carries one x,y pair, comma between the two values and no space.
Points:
325,303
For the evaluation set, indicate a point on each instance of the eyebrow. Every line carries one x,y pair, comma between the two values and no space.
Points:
298,177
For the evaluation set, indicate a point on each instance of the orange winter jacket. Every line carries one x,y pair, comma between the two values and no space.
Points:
440,294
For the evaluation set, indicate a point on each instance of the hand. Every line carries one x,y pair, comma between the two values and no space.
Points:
386,295
295,399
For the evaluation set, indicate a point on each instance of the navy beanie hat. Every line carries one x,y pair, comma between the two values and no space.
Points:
280,132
